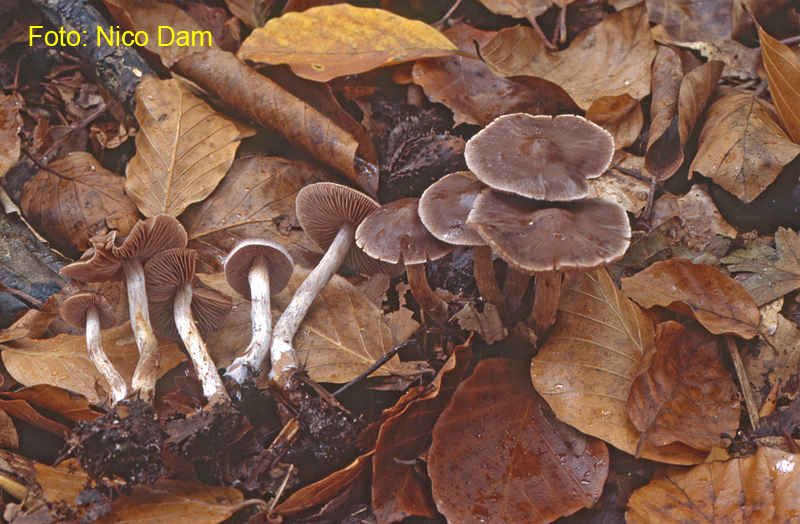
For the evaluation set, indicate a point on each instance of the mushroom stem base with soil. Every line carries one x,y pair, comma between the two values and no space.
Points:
254,354
486,280
145,374
428,301
213,388
119,390
545,302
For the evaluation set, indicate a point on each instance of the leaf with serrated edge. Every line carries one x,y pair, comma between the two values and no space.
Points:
585,368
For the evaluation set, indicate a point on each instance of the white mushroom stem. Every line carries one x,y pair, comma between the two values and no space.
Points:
545,302
428,301
204,366
242,368
144,377
284,359
119,390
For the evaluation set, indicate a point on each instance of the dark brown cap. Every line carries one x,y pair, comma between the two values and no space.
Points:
536,237
540,157
75,309
445,206
241,259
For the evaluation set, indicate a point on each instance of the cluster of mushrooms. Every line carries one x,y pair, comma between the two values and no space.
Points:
528,205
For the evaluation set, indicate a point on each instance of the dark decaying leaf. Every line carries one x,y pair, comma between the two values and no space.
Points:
495,457
10,143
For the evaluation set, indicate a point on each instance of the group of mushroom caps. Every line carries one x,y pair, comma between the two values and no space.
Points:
524,198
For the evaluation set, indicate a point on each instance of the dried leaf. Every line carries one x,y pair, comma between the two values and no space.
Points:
776,362
325,42
585,368
488,324
783,74
252,12
699,215
9,439
689,21
33,324
620,115
521,8
626,190
81,200
183,148
609,59
10,143
54,399
701,291
742,147
775,272
682,393
64,362
764,487
495,456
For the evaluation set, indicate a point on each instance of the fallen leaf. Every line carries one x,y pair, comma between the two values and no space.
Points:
326,42
609,59
183,148
252,12
24,411
700,217
775,272
620,115
764,487
522,8
63,361
625,189
488,325
783,74
54,399
774,361
585,368
33,324
75,199
682,392
10,143
701,291
9,438
692,21
496,458
742,147
266,103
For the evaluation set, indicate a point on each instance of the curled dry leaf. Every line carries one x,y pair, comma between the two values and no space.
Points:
76,200
325,42
609,59
495,457
682,392
783,74
10,143
742,147
521,8
63,361
699,215
266,103
183,148
701,291
764,487
620,115
585,368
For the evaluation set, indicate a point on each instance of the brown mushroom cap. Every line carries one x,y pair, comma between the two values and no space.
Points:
536,237
75,309
165,273
540,157
240,260
394,233
445,206
323,207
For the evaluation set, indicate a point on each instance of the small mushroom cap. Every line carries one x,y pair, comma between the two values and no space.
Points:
537,237
394,233
239,261
76,308
164,274
540,157
97,264
323,207
445,206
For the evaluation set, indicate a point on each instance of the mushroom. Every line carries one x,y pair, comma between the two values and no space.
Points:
329,213
92,312
112,258
177,300
548,238
394,233
256,269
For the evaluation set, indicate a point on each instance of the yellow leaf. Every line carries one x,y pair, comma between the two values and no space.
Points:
783,75
329,41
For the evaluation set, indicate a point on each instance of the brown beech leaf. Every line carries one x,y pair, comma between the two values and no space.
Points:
75,199
253,13
620,115
10,142
697,212
775,361
23,410
255,199
701,291
682,393
183,148
522,8
63,361
678,101
34,323
609,59
783,74
775,272
325,42
398,490
742,147
268,104
469,88
495,457
9,438
65,403
625,189
764,487
585,367
692,21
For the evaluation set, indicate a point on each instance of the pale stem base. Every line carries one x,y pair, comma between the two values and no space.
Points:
242,367
119,390
144,377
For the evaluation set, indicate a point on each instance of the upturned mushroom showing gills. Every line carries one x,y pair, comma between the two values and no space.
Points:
394,233
329,213
92,312
113,258
177,300
256,269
